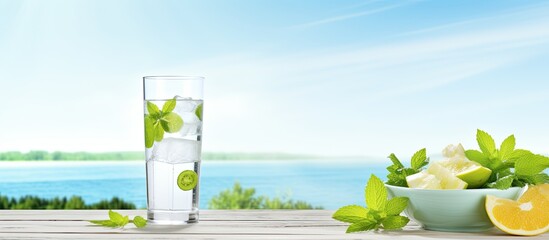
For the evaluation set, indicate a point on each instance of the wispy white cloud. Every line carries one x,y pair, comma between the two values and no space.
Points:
468,49
525,11
283,87
360,4
350,16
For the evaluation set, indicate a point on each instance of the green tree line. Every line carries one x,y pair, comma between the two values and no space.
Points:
245,198
60,156
74,202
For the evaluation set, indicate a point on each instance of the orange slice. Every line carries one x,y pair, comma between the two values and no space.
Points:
527,216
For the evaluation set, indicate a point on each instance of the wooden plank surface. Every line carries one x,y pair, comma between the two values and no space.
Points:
242,224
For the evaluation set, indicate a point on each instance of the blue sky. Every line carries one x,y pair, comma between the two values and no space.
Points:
318,77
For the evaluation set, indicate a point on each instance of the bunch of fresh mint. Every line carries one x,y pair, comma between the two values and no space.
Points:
528,167
116,220
158,121
398,173
380,213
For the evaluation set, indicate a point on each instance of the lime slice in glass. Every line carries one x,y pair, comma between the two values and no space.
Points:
187,180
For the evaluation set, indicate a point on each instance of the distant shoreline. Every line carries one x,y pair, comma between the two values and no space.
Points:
36,156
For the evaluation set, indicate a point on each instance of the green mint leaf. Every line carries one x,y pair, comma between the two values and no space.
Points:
394,222
502,183
351,214
125,221
478,157
171,122
169,106
396,205
540,178
376,215
520,182
158,132
139,222
419,159
198,111
507,147
486,143
396,180
152,109
149,132
105,223
376,194
395,161
531,164
398,173
516,154
118,218
361,226
504,173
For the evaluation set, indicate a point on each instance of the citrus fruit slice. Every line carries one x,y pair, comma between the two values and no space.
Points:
527,216
423,180
447,179
474,174
187,180
435,177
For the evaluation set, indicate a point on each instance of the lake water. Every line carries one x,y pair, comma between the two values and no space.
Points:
327,183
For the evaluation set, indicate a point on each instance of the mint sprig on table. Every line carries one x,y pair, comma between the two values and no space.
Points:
116,220
380,212
398,172
157,121
528,167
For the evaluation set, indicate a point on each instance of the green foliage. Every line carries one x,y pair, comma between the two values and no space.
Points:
380,213
398,172
244,198
510,166
74,202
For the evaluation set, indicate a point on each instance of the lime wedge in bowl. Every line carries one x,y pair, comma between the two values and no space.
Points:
471,172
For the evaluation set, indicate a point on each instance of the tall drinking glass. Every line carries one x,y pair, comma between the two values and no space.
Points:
173,142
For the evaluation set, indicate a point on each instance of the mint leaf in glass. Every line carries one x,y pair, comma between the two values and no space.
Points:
159,121
149,132
169,106
158,132
152,109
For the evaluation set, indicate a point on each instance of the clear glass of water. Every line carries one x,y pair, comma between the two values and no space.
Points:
173,108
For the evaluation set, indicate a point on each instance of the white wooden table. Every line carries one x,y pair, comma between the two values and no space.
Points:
214,224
